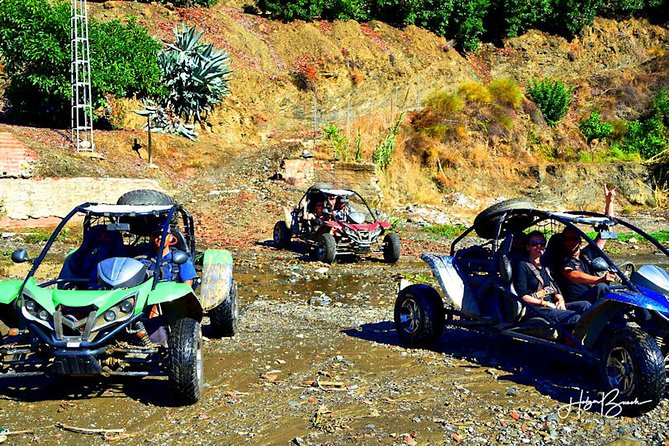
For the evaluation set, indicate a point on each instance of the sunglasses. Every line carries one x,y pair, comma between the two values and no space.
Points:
538,243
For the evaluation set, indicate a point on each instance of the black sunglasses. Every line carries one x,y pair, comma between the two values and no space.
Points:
538,243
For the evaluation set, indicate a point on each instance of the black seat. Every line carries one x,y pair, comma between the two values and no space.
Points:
511,307
181,244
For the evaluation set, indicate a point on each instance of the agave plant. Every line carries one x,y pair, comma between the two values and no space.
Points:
195,76
162,121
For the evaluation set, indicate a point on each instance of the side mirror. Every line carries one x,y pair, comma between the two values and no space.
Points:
377,212
608,235
179,257
599,264
20,256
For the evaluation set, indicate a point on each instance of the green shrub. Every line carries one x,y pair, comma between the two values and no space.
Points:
337,140
552,97
124,61
446,230
383,153
506,92
593,127
647,137
35,45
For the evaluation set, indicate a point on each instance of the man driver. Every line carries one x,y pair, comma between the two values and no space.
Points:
169,271
576,277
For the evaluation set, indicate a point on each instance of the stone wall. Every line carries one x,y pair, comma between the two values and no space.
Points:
303,172
41,202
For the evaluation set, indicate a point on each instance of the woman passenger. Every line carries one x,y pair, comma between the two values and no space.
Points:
535,285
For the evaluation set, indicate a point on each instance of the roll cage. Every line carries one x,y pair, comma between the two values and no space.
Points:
137,220
518,220
312,195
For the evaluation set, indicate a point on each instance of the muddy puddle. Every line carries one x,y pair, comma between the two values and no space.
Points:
317,361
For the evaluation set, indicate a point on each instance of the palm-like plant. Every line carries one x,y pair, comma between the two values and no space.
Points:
195,74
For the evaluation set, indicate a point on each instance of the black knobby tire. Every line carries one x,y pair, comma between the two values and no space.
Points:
485,224
223,318
392,248
184,363
632,368
281,234
326,248
419,315
145,196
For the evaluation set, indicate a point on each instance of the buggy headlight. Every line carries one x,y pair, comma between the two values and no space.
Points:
117,313
35,312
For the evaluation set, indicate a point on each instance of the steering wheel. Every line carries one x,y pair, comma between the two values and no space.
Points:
628,268
150,262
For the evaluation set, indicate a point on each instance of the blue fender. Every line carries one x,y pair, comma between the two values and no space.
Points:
647,299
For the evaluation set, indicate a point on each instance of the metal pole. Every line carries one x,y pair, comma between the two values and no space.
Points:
148,128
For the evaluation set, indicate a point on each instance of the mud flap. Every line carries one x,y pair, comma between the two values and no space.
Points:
216,278
446,272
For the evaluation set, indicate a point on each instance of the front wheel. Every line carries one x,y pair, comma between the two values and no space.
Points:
281,235
633,372
326,248
223,318
391,248
419,315
185,369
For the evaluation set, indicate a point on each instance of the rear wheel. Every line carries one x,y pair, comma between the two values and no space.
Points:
281,235
633,371
224,317
326,248
391,248
419,315
185,369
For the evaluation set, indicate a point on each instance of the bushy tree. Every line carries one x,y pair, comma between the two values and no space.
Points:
570,16
292,9
35,46
123,60
552,97
34,43
468,22
520,15
435,15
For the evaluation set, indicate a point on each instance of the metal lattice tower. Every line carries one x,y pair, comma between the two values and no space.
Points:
80,76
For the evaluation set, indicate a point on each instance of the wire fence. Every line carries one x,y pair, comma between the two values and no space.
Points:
348,112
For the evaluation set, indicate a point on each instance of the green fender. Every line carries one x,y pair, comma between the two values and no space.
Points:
9,291
177,298
216,278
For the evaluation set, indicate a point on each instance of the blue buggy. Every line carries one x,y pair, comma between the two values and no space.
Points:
625,333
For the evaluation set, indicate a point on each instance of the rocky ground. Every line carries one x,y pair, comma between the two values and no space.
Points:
317,361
